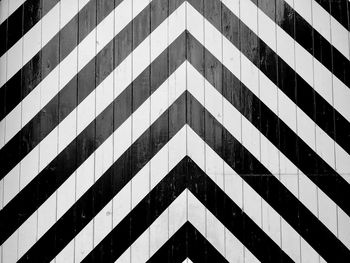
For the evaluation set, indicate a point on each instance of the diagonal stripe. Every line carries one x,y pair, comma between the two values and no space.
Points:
8,8
324,23
23,20
292,85
44,34
47,32
175,249
64,39
305,49
338,10
332,58
61,49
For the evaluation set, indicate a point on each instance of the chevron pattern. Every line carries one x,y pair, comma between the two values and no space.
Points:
174,131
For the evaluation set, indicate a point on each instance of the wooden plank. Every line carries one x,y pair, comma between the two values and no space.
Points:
196,119
159,73
86,82
140,151
215,232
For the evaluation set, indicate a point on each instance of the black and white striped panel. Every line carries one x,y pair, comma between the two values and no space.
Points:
173,130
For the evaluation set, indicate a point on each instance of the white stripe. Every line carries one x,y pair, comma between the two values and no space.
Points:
45,25
274,160
4,10
8,7
231,242
247,67
338,36
85,175
179,206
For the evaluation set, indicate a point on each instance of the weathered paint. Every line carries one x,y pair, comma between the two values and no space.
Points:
160,130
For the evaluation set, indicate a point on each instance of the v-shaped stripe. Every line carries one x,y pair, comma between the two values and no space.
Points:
303,100
187,242
65,167
185,175
278,196
171,222
206,126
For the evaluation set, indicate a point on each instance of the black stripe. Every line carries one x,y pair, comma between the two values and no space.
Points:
270,126
9,154
275,193
200,249
22,20
294,86
68,37
187,174
176,248
83,146
338,9
309,38
14,25
187,242
232,217
91,202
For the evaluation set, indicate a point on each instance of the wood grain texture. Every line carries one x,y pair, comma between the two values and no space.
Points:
187,131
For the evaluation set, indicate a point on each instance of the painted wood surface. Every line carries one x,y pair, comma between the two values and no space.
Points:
174,131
